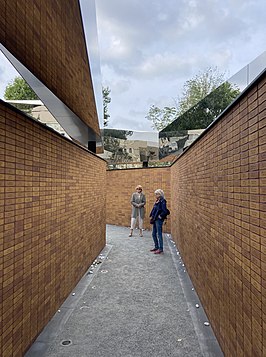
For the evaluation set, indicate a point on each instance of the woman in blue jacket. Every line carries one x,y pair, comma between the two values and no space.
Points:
158,215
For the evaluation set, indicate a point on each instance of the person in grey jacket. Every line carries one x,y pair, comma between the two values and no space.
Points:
138,202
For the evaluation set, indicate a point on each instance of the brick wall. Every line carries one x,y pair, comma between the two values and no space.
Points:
52,224
47,37
121,184
218,191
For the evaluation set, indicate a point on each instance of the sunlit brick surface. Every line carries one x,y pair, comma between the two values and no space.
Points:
52,225
120,186
47,37
219,222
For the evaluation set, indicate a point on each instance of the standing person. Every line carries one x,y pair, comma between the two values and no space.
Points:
158,215
138,202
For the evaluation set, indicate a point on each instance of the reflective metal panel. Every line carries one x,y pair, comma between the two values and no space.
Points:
88,14
248,73
179,134
131,147
75,127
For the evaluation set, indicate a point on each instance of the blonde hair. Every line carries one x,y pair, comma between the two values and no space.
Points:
159,192
139,186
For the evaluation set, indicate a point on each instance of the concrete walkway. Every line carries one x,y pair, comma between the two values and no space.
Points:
132,303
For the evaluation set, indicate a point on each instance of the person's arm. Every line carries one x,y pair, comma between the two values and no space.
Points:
163,212
133,201
142,204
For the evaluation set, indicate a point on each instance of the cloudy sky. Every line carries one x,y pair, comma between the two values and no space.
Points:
149,48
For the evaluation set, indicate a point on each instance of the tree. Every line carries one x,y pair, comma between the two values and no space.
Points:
199,87
206,110
117,133
113,141
161,117
204,97
19,89
106,100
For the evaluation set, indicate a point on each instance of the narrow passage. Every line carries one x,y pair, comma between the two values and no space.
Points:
131,305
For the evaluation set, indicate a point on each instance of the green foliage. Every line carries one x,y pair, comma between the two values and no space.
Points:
161,117
199,87
106,100
112,142
117,133
19,89
201,115
119,154
204,97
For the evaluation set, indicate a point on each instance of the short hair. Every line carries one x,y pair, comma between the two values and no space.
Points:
159,192
139,186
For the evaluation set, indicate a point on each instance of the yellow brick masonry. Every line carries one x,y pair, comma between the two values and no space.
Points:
52,225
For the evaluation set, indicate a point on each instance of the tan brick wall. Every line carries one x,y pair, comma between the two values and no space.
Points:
47,37
121,184
52,225
219,223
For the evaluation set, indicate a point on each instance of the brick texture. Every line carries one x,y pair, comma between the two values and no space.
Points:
52,224
120,186
218,191
47,37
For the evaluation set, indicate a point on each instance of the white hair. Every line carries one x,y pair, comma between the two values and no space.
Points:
159,192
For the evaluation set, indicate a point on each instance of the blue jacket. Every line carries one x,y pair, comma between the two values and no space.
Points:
159,210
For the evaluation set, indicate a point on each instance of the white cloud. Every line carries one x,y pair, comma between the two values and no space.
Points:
156,46
121,86
160,65
150,48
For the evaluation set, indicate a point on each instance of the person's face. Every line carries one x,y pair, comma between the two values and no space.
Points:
157,195
139,190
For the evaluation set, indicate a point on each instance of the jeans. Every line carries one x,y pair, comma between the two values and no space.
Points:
157,234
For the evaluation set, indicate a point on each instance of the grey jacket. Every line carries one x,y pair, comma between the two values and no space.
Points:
138,201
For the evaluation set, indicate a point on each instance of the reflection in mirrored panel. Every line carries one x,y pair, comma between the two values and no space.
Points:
257,66
36,110
75,127
248,73
78,128
88,13
42,114
130,149
7,73
32,107
39,112
173,143
179,134
134,149
240,79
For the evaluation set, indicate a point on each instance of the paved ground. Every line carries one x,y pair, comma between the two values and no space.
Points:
133,304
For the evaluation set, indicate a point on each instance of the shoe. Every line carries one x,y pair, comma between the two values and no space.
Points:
130,235
153,250
158,251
